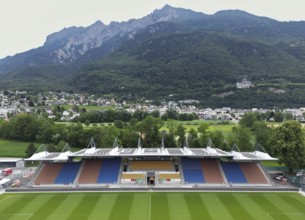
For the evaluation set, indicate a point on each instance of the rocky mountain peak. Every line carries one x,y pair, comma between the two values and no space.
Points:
98,33
62,34
164,14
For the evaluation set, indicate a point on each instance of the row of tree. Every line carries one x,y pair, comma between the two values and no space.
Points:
124,116
111,115
286,141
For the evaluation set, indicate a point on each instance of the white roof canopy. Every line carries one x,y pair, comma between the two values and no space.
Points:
93,152
152,152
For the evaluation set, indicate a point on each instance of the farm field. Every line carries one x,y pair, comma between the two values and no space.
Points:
152,206
10,148
214,125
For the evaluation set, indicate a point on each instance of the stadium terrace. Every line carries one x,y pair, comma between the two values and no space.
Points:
151,168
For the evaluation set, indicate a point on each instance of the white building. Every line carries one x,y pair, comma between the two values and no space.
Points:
244,84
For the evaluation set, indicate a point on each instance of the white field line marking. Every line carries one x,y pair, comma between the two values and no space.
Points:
2,200
29,215
149,211
17,214
298,198
286,213
302,193
72,195
59,195
9,197
269,216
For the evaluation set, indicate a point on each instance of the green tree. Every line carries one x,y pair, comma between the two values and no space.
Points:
107,136
52,148
218,140
192,139
75,108
180,132
155,114
278,117
128,137
288,144
133,122
242,137
75,135
46,130
171,125
31,103
262,133
204,134
140,115
119,124
30,150
169,140
149,130
248,120
23,127
172,114
164,117
288,116
87,123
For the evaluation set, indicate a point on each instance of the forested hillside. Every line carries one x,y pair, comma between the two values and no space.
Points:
172,54
199,65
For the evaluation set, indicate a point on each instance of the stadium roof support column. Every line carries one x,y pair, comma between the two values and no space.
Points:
115,143
91,143
235,148
186,143
139,144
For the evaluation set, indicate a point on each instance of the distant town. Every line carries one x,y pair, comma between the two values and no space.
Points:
17,102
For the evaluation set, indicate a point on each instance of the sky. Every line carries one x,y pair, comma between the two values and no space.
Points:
25,24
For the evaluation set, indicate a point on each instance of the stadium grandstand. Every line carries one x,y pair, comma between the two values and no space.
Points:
161,167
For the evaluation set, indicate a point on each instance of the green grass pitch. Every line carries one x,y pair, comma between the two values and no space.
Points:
152,206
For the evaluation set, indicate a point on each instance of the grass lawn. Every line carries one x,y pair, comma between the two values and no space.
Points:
13,148
10,148
272,164
223,128
152,206
214,125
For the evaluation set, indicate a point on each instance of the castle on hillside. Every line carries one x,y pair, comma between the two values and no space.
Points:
244,84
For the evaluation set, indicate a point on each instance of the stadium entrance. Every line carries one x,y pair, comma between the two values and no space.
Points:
151,178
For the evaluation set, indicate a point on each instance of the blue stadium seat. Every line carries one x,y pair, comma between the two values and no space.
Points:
68,173
233,172
109,171
192,170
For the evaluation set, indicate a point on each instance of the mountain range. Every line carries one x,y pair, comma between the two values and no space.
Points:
171,54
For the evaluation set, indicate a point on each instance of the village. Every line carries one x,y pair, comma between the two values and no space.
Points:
17,102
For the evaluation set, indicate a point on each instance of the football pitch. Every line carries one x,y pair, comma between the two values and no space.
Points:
152,206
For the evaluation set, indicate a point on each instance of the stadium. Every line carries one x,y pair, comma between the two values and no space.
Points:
150,183
143,169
